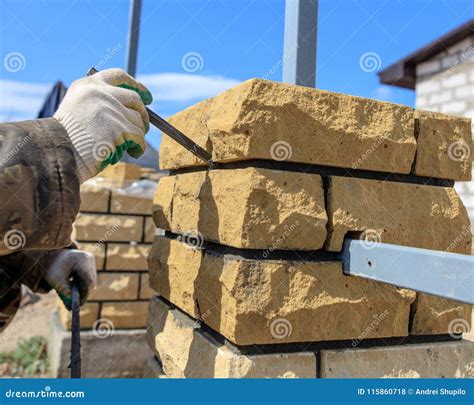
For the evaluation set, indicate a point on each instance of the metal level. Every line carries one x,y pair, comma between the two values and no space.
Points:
448,275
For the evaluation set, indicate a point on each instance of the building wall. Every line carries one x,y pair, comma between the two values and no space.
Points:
445,83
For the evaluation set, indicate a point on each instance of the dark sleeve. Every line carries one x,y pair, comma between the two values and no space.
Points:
39,186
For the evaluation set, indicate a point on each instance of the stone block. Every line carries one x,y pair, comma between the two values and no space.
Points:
125,315
252,301
425,360
108,228
444,146
124,256
260,119
435,316
421,216
129,204
245,208
115,286
428,217
94,199
187,352
105,353
122,172
145,291
149,232
88,314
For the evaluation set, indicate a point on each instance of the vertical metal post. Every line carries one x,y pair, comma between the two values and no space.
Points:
133,33
299,53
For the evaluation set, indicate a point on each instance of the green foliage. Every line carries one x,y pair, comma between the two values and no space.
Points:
28,360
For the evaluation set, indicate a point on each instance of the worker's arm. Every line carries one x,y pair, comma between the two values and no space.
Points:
43,162
41,271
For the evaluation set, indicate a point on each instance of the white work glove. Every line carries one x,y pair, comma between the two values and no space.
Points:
67,263
104,116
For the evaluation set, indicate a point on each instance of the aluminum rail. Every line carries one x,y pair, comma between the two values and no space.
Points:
447,275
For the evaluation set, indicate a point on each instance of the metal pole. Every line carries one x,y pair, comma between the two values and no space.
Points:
133,33
299,53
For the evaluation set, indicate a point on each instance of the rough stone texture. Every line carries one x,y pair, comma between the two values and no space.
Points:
122,172
149,232
428,360
129,204
406,214
94,199
268,301
125,315
121,354
444,146
415,215
115,286
187,352
434,315
145,291
124,256
316,126
97,227
97,249
89,313
246,208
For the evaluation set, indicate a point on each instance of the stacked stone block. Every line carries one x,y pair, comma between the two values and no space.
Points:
248,278
117,229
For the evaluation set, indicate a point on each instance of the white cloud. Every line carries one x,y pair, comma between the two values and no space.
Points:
384,93
21,100
182,87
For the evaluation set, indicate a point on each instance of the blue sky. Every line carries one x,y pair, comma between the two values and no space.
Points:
232,40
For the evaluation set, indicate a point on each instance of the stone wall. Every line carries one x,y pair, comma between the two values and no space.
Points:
116,227
247,273
118,230
445,82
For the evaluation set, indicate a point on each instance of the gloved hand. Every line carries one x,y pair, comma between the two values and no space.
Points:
104,116
63,265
